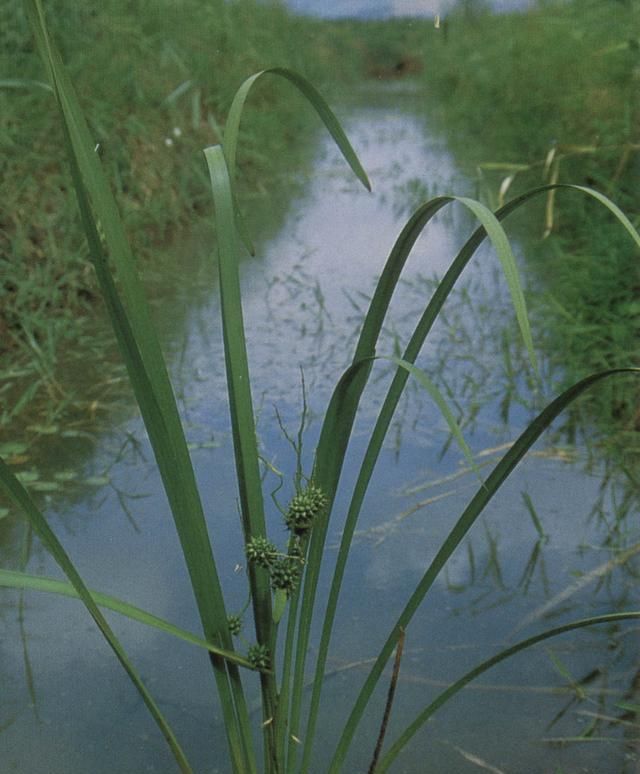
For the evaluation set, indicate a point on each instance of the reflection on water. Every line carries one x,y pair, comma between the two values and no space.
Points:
558,543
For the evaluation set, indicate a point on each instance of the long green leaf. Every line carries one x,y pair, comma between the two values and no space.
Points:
22,580
399,255
245,442
141,350
453,540
402,740
421,377
24,83
225,183
498,238
330,454
20,497
143,358
315,99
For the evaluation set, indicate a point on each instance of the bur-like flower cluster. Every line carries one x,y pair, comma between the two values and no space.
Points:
258,656
285,574
285,570
261,551
234,624
304,509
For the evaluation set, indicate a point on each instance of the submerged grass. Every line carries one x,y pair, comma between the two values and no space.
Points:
283,587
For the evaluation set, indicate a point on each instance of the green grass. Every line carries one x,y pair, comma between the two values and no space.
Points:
156,80
552,95
563,74
283,589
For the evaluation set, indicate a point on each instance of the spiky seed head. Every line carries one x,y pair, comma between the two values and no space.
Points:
234,622
285,574
305,508
261,551
258,656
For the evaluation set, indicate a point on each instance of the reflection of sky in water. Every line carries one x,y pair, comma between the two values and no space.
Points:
305,294
340,241
307,291
388,8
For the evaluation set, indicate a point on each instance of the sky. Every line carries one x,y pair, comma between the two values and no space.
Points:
381,8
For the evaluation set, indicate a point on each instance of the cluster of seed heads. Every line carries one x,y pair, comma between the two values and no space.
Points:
305,507
285,570
258,656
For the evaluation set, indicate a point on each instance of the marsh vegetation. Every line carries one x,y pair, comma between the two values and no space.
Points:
357,496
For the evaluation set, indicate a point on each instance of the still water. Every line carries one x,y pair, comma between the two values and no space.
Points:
385,9
547,551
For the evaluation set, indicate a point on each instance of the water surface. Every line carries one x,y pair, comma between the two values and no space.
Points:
68,707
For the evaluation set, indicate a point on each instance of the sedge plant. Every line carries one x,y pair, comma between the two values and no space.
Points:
283,585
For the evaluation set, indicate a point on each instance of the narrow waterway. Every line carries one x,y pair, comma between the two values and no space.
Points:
547,551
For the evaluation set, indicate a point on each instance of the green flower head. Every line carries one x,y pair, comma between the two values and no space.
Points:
285,574
261,551
305,508
258,656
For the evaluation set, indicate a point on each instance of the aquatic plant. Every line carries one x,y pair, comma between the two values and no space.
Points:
156,93
283,585
574,119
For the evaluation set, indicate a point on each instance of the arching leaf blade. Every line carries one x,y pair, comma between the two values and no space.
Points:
141,352
480,669
22,500
21,580
501,244
369,334
468,517
421,377
315,99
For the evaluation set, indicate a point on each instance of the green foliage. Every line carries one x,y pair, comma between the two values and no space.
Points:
564,73
21,580
156,80
553,94
282,587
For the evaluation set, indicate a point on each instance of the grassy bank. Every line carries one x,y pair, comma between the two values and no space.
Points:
155,80
288,617
554,95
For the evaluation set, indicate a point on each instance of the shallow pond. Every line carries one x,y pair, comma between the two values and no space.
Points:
555,545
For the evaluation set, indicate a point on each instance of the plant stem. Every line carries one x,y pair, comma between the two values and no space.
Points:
390,696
